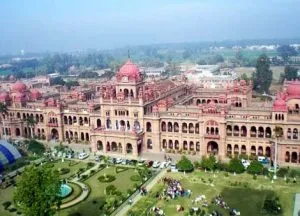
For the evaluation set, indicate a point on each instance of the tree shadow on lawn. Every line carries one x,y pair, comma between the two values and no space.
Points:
87,208
246,200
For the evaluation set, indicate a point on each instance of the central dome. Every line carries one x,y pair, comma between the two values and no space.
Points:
130,70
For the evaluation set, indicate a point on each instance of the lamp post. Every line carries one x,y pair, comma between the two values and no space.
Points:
275,158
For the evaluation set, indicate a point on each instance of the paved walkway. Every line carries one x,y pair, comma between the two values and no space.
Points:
297,205
126,208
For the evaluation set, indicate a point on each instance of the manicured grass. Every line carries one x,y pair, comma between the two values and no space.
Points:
91,205
248,196
73,168
6,195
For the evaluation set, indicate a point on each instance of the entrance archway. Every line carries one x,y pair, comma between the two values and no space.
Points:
128,148
212,148
18,133
114,147
99,145
54,134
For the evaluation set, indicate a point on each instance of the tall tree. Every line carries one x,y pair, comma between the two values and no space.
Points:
262,77
37,191
285,51
290,73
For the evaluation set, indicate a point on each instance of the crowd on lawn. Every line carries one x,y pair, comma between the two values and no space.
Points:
174,189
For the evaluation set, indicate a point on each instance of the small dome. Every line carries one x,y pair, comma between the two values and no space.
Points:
279,104
293,88
35,94
51,102
4,96
19,86
130,70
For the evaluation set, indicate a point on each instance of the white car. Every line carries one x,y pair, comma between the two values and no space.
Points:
173,167
141,162
83,156
163,165
156,164
119,160
245,163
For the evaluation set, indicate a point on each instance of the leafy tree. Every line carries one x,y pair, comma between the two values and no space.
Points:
262,77
37,191
235,165
202,62
272,207
71,83
185,165
285,51
57,81
244,77
290,73
255,167
36,147
208,163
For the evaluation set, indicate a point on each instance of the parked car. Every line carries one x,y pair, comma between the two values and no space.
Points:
125,162
163,165
119,160
83,156
173,167
97,158
263,159
141,162
156,164
245,163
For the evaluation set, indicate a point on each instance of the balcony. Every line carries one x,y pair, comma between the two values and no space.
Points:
212,136
52,124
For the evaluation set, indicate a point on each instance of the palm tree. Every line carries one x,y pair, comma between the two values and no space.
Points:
3,111
31,122
278,134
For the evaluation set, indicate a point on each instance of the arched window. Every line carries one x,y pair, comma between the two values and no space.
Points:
98,123
184,127
148,127
170,127
261,132
229,130
295,133
268,132
243,131
176,127
149,144
163,126
289,133
253,131
191,128
236,130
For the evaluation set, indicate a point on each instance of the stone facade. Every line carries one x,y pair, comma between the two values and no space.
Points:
129,115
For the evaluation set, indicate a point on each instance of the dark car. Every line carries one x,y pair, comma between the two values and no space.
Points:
149,163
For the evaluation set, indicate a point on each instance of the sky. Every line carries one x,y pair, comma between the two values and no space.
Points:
72,25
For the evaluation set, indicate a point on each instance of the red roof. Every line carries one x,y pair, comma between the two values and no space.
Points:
19,86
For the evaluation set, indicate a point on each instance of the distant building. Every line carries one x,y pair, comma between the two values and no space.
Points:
152,71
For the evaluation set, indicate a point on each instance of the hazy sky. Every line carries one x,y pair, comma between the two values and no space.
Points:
70,25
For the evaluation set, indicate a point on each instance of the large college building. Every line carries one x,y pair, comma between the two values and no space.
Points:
129,115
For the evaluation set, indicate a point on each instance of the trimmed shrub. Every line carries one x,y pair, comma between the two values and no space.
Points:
121,169
235,165
12,210
90,165
64,171
282,172
107,178
136,178
6,204
110,189
36,147
185,165
255,167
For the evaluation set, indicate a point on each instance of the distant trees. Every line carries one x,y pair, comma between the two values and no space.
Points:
290,72
88,74
285,51
71,83
262,77
57,81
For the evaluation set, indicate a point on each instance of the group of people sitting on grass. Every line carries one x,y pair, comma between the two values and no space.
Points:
218,200
174,189
157,211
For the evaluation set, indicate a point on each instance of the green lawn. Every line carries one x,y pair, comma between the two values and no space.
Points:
7,194
247,197
73,168
91,205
